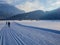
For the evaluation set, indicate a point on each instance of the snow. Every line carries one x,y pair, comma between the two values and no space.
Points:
42,24
20,34
2,23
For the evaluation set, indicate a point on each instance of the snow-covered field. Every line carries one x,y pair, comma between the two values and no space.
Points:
2,24
17,34
42,24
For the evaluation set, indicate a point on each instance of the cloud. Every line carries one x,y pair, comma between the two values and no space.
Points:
6,1
54,5
16,2
31,6
9,1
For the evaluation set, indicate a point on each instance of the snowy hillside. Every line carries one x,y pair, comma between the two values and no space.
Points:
42,24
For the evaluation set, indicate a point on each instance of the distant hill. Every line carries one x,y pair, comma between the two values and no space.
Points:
16,14
7,10
35,15
53,15
38,15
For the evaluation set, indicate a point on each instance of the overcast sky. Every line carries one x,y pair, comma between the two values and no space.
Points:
31,5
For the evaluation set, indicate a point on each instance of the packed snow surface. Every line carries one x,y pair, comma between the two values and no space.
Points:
24,33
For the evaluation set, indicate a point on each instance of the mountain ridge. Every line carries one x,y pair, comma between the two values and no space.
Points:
7,10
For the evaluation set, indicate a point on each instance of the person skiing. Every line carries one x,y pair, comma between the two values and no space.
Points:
8,24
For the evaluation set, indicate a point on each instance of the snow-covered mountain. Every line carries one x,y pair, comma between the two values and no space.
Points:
34,15
53,15
10,12
38,15
7,10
